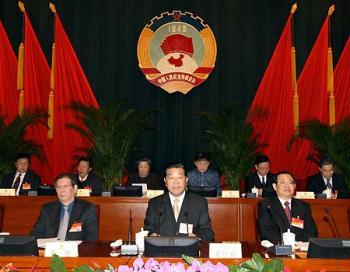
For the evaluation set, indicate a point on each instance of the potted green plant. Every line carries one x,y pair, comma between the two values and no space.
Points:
231,142
12,140
332,141
112,131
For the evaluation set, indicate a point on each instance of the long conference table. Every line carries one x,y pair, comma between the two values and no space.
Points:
232,220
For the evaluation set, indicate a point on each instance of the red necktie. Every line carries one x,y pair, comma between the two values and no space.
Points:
288,211
17,182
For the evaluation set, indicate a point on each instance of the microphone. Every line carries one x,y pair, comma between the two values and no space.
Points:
129,248
330,219
186,219
130,228
158,222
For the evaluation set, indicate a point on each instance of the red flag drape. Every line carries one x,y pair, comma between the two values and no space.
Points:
36,93
313,99
275,98
70,85
8,78
342,84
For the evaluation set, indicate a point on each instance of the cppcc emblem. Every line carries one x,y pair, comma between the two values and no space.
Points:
176,51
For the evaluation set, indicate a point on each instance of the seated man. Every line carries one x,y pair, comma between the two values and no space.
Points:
327,179
67,218
23,179
262,178
202,176
86,179
171,213
144,175
278,214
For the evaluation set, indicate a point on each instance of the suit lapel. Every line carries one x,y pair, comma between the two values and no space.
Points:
56,216
185,208
321,182
74,214
281,214
168,208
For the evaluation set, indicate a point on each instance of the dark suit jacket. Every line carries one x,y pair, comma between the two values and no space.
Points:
254,180
153,181
92,181
160,216
272,220
316,184
30,177
82,212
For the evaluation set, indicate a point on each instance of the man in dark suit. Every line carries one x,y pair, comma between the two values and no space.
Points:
262,178
67,218
177,211
86,179
278,214
327,179
23,179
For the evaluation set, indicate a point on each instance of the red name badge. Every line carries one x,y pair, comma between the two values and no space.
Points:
297,222
76,227
26,186
89,188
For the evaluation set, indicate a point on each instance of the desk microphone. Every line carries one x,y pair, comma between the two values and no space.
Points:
330,219
186,219
129,248
159,215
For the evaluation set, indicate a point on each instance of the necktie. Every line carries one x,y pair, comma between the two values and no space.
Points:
263,180
17,182
329,185
288,211
176,208
63,225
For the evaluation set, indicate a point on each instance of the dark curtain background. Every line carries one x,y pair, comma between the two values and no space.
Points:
105,34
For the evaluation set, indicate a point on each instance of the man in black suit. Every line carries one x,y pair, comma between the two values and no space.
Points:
327,179
177,211
262,178
278,214
23,179
68,218
86,179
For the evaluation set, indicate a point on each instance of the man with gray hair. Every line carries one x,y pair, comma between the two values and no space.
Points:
67,218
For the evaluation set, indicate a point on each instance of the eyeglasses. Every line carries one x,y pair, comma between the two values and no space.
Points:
286,182
62,187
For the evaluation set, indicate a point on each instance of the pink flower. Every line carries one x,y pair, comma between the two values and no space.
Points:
179,267
286,269
138,263
151,264
219,267
124,268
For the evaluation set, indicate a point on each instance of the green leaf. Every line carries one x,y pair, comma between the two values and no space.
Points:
83,268
274,265
56,264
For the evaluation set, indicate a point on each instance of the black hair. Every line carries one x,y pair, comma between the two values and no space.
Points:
285,173
261,158
175,165
22,156
143,159
325,161
202,156
86,159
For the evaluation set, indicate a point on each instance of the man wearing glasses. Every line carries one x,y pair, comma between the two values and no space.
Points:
278,214
67,218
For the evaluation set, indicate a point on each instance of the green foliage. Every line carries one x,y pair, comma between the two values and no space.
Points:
112,131
57,264
231,142
332,141
257,264
12,138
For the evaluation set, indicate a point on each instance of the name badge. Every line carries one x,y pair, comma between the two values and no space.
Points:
76,227
297,222
183,228
88,188
26,186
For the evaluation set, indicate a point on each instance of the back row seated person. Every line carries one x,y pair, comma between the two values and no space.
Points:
177,210
22,179
327,179
261,178
202,175
144,175
278,214
86,179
